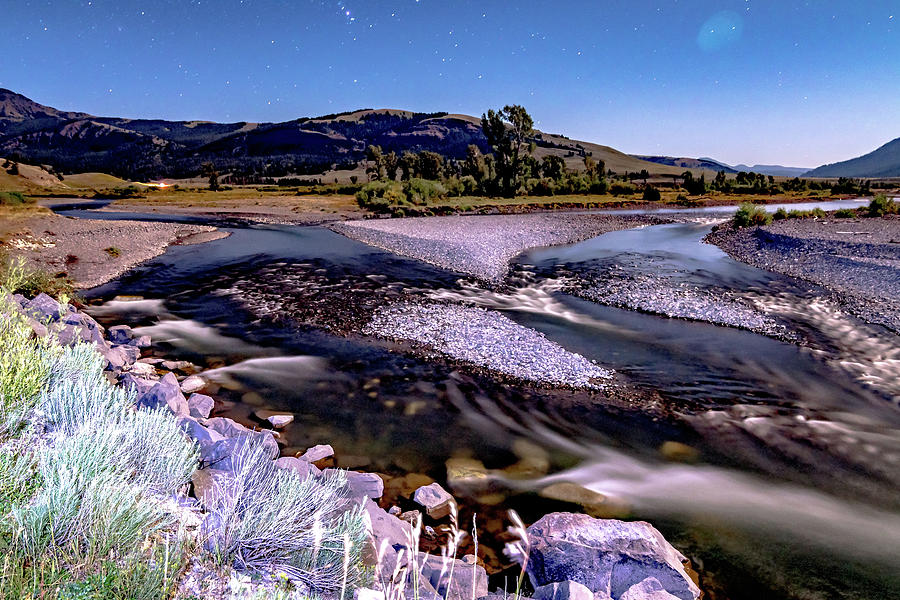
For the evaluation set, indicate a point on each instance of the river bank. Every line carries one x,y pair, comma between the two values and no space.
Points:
857,259
91,252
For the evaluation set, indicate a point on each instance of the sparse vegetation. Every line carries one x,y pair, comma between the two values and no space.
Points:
113,251
882,205
18,278
14,199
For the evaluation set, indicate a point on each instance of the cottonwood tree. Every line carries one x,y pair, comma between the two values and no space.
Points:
508,132
209,171
375,156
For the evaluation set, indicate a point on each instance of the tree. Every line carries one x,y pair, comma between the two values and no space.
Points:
553,167
209,171
507,132
391,164
409,165
430,165
375,156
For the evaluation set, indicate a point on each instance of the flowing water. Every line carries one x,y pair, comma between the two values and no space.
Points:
771,457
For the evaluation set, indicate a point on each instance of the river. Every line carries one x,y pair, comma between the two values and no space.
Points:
769,456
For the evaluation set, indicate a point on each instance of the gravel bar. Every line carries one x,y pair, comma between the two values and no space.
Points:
482,246
488,339
858,260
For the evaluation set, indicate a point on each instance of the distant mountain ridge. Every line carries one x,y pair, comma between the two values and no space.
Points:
882,162
688,163
153,148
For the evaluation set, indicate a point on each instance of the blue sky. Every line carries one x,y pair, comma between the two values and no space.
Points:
798,83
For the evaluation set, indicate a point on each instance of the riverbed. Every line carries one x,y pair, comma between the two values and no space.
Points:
752,421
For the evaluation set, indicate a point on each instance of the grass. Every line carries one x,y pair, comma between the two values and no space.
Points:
113,252
14,199
17,278
881,205
750,215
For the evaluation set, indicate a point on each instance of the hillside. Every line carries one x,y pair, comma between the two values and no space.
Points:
143,149
883,162
774,170
689,163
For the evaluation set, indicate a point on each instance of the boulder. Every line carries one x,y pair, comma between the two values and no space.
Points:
142,341
563,590
385,535
208,482
222,455
468,581
131,353
37,328
362,485
43,308
140,385
434,499
119,334
605,555
648,589
301,467
317,453
165,392
198,432
192,384
143,370
200,405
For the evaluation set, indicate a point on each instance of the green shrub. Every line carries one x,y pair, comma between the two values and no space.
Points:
780,215
381,196
422,192
882,205
14,199
113,251
845,213
750,215
622,189
16,277
651,194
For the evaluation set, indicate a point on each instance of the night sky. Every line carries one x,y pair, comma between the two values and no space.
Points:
797,83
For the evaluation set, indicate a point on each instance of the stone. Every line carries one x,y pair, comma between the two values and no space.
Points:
564,491
119,334
177,365
605,555
648,589
143,370
207,482
410,516
115,359
37,328
385,534
142,341
468,476
200,406
131,353
221,455
434,499
465,577
198,432
280,421
301,467
363,485
165,392
563,590
140,385
227,427
192,384
43,308
317,453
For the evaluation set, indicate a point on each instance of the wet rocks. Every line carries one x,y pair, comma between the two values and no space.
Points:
193,383
607,556
200,406
165,393
317,453
280,421
488,339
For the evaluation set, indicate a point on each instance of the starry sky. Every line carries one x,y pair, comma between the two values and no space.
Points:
756,81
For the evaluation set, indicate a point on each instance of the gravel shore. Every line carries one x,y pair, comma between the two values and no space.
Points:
93,252
482,246
858,260
487,339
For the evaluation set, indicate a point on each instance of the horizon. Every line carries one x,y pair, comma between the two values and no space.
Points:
740,82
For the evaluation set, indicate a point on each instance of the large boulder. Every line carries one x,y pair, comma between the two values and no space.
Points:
607,556
435,500
200,405
119,334
43,308
361,485
165,393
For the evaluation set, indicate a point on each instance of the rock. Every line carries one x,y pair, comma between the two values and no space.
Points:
465,577
678,452
119,334
280,421
227,427
192,384
434,499
200,406
563,590
223,455
648,589
131,353
140,385
115,359
383,532
141,341
468,476
198,432
317,453
165,392
363,485
207,482
37,328
607,556
143,370
151,360
178,365
595,503
43,308
410,516
301,467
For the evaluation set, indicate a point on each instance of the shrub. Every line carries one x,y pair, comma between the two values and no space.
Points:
780,215
113,251
622,189
271,518
422,192
882,205
16,277
381,196
651,194
14,199
750,215
845,213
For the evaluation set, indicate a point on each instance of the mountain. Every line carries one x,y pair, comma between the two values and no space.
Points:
689,163
153,148
774,170
883,162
